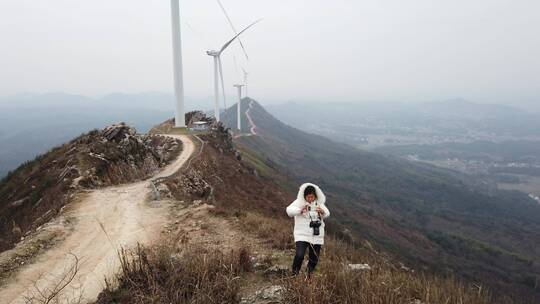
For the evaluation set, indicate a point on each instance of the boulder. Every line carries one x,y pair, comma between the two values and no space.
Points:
358,267
271,294
277,270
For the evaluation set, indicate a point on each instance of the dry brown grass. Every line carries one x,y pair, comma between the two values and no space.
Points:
277,231
194,274
166,275
333,282
387,282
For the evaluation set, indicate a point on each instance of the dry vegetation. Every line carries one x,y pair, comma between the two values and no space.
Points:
35,192
166,275
183,272
190,273
388,281
384,283
434,219
55,293
274,230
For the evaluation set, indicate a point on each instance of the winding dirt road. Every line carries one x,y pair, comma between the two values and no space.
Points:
253,127
105,220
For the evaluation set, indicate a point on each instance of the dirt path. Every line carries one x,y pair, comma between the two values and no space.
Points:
200,227
105,220
253,127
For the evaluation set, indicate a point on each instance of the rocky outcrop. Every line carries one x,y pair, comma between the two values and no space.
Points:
118,154
190,184
37,190
222,139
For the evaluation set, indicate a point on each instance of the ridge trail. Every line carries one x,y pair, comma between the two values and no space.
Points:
253,127
106,220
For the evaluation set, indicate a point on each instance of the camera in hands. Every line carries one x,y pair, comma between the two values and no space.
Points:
315,220
315,225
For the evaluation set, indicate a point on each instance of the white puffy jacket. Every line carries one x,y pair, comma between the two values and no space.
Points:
302,231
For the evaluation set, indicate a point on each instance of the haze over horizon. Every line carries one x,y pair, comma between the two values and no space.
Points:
485,51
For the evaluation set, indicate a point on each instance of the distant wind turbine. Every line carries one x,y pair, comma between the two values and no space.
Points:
239,120
218,69
179,115
246,81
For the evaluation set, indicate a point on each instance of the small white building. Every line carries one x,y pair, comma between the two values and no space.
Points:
199,126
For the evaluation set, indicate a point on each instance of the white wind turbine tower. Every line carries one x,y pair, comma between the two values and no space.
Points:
218,69
239,120
179,116
246,82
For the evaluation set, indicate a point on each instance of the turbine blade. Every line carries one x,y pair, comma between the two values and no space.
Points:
226,45
236,66
202,39
232,27
222,82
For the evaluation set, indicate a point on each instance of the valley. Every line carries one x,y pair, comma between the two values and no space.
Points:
399,204
497,144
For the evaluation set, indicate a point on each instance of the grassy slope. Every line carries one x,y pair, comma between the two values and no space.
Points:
427,215
206,275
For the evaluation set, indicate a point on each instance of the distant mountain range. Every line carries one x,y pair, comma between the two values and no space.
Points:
432,217
451,117
31,124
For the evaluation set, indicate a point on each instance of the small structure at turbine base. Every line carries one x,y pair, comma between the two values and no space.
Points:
199,126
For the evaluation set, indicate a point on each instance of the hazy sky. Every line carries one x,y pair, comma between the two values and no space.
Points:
483,50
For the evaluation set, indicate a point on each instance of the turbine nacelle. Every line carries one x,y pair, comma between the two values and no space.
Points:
213,53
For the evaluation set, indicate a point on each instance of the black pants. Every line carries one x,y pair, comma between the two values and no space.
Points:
314,251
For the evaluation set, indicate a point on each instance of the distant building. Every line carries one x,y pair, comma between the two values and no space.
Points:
199,126
534,197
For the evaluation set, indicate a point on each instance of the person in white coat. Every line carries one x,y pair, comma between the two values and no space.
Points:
309,211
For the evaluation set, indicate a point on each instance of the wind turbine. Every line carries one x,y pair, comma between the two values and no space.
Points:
246,81
218,69
179,115
239,87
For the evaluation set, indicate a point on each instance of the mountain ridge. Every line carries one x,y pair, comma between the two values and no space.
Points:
232,195
399,205
33,193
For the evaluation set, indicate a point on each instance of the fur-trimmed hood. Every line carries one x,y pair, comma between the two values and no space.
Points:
321,198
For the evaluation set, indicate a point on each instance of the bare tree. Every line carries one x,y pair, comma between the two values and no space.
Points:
52,292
